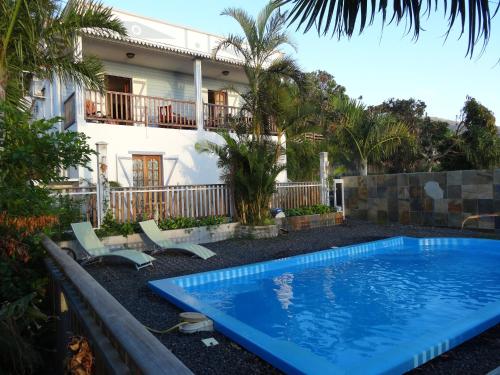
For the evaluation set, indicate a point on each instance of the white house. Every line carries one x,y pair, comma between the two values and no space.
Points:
164,93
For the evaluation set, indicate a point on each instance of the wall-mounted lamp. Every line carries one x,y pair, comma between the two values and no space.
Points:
225,72
130,55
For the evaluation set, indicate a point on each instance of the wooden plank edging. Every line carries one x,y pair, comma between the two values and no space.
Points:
146,351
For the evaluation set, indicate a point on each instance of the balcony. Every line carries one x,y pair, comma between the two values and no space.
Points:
130,109
217,117
121,108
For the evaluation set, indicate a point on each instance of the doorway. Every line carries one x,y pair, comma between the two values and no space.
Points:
118,98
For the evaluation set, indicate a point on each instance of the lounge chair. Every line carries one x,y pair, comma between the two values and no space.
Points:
160,241
94,248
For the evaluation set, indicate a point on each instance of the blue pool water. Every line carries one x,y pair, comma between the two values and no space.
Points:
381,307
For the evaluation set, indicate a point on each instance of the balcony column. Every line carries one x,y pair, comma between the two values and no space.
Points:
197,90
79,90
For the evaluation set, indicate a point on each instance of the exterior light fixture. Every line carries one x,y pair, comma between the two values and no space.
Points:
130,55
225,72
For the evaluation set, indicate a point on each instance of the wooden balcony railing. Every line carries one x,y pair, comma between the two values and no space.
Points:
130,109
223,116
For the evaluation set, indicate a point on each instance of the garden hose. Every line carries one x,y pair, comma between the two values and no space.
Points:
185,317
161,332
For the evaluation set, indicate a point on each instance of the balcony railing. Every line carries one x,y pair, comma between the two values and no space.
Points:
121,108
130,109
223,116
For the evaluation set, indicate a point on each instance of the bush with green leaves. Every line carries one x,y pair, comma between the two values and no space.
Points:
32,157
111,227
309,210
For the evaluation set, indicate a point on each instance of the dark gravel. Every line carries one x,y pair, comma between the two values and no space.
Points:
477,356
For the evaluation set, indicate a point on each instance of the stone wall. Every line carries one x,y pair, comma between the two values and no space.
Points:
432,199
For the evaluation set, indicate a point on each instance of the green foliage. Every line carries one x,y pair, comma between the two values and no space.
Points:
111,227
480,141
309,210
189,222
262,37
249,167
32,156
368,136
302,160
39,40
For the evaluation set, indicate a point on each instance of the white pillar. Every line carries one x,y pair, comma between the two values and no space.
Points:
102,185
79,90
323,176
197,89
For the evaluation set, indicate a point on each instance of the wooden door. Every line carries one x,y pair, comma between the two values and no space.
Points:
219,110
147,172
118,102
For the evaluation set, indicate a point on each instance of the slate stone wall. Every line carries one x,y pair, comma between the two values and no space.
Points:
432,199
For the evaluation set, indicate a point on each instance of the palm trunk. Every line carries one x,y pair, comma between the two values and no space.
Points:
363,167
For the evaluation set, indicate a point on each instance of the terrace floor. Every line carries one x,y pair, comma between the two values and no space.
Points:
477,356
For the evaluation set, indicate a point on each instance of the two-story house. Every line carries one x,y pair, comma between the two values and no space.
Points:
164,93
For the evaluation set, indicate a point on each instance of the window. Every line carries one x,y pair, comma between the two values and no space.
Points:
147,170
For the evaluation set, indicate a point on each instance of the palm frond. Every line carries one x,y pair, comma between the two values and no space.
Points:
340,17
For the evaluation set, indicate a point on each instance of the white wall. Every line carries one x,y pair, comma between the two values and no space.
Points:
182,164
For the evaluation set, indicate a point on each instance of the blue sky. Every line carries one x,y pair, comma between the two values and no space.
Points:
377,64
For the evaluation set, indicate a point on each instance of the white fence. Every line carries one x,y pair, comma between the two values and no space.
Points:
195,201
170,201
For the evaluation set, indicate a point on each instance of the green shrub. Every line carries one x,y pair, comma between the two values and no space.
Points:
111,227
309,210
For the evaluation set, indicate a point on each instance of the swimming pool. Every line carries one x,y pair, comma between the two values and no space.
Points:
380,307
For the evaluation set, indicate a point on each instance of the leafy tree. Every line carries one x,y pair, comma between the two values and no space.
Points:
38,40
480,140
33,156
264,65
340,17
369,137
249,167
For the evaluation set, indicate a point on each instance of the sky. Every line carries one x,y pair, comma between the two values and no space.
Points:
376,65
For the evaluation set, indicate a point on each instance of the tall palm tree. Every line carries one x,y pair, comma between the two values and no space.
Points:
340,16
260,47
38,39
368,136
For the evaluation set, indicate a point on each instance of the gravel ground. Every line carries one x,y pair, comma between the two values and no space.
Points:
477,356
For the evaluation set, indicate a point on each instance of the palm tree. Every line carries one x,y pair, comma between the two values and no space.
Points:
264,62
38,39
249,168
368,136
340,17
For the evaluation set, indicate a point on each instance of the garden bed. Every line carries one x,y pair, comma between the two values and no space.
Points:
295,223
129,287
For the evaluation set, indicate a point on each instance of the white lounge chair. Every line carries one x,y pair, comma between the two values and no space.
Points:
160,241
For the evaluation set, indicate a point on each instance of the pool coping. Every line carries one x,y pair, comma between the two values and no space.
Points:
292,358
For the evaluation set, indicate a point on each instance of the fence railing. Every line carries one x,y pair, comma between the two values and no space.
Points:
170,201
195,201
296,194
82,201
129,109
83,308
